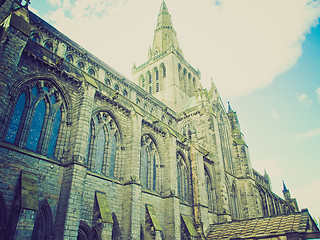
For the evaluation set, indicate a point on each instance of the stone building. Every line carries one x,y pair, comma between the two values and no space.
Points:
85,153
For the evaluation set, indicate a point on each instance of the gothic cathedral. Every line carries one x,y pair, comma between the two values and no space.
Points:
86,153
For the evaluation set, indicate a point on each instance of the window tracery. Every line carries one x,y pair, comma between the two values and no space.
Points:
149,164
104,143
37,118
210,190
183,178
188,129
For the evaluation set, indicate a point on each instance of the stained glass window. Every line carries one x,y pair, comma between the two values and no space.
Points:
54,133
16,118
36,126
113,148
100,146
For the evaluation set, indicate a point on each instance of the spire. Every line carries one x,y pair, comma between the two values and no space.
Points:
286,192
164,34
284,186
229,108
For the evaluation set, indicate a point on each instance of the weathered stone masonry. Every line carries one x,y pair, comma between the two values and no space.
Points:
85,153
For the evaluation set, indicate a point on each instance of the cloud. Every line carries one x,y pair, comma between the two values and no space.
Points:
242,44
274,114
318,93
305,100
306,135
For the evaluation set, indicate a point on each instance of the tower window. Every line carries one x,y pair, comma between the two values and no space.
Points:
81,65
91,72
48,45
69,58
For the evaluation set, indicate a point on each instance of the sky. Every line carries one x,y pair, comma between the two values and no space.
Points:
263,56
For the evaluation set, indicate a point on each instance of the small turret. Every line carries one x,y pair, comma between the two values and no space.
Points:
286,192
233,119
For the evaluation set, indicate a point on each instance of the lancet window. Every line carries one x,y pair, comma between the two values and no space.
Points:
104,145
210,190
149,164
188,129
37,118
183,179
225,144
233,202
43,223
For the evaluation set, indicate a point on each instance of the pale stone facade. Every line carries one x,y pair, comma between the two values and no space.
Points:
86,153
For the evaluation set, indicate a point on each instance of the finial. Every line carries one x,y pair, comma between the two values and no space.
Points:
229,107
27,3
284,186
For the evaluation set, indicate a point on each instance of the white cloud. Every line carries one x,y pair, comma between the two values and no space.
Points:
318,93
306,135
242,44
305,100
274,114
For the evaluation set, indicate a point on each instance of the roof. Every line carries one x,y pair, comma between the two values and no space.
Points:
299,222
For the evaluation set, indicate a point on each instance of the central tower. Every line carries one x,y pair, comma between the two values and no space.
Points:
167,75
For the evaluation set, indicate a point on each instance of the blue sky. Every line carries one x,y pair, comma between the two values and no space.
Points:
263,55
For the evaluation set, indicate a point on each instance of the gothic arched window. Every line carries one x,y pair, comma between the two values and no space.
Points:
233,202
210,190
80,65
225,145
103,154
183,178
91,72
163,71
43,223
149,164
36,120
69,58
48,45
84,231
35,37
188,129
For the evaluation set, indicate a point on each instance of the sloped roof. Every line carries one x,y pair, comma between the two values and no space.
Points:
299,222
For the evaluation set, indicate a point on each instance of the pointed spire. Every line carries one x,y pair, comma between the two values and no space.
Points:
229,108
284,186
164,18
286,192
164,34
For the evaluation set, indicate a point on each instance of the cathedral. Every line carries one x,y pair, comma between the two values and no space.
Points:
86,153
